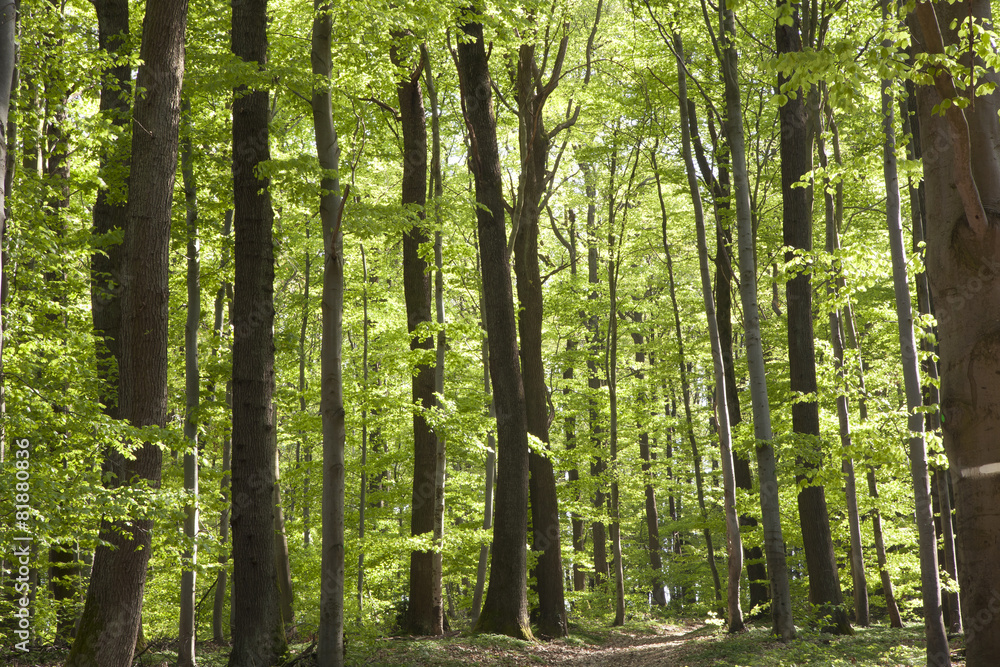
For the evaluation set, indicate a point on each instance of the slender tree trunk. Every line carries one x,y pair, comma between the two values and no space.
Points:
505,610
8,89
219,603
796,162
114,599
192,388
306,446
653,544
686,393
491,458
833,206
330,648
363,487
734,542
774,547
597,467
258,634
222,583
282,566
435,192
425,611
612,374
932,395
938,650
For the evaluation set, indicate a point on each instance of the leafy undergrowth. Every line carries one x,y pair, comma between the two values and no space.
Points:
639,644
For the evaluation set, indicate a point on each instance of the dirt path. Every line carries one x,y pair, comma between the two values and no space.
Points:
626,649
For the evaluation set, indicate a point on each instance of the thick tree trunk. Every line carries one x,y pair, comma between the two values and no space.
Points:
110,209
330,647
734,542
612,373
258,635
425,614
534,148
192,387
505,610
774,546
796,162
111,617
963,259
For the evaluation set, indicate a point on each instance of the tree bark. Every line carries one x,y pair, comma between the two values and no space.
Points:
653,544
833,207
774,546
534,144
425,614
734,542
796,162
686,393
505,610
963,258
192,387
330,647
258,635
111,617
111,205
940,479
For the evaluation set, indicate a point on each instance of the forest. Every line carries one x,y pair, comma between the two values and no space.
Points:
512,323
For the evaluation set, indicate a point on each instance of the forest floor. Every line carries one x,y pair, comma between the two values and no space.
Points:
638,644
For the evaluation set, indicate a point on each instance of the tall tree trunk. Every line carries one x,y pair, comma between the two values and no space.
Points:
111,207
721,191
653,544
435,191
534,143
932,394
491,458
330,647
938,651
363,486
192,387
282,566
734,542
597,466
8,89
774,547
258,635
505,610
222,583
612,374
425,614
114,599
833,208
796,162
686,393
221,586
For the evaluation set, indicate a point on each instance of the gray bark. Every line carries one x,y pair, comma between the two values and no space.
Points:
330,648
774,546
